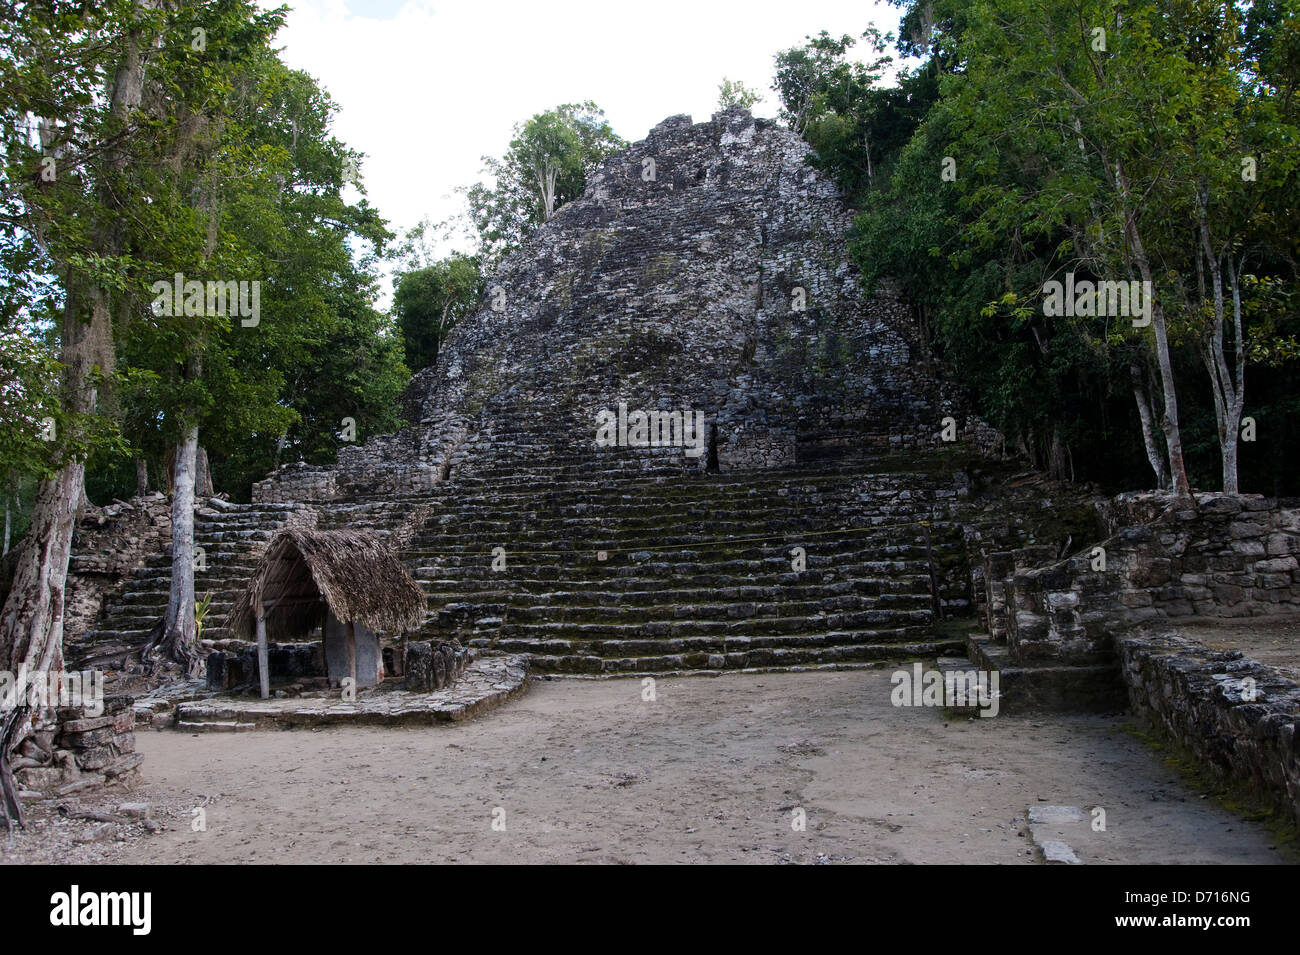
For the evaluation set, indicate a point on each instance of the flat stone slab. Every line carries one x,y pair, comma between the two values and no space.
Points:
1058,853
1056,815
1065,834
487,683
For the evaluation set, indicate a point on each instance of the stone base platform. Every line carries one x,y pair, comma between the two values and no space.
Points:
1238,717
489,682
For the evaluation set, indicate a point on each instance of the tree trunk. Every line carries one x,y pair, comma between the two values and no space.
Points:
141,477
546,176
1238,403
31,623
1154,456
8,524
1179,483
1057,467
1169,420
176,640
1229,393
203,474
11,735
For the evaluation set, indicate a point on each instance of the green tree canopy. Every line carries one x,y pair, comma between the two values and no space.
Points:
545,166
735,93
428,302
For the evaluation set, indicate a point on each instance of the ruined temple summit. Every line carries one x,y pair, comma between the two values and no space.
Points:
772,486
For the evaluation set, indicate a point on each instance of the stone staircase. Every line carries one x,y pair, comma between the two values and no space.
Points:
637,561
612,564
232,538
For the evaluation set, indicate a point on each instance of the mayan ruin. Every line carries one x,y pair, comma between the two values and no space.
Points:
889,466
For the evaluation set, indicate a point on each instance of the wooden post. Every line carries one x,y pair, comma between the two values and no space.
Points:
263,663
352,654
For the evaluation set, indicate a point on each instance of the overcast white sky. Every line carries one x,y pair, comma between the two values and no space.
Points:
426,87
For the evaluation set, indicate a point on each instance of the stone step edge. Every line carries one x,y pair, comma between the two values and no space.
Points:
666,674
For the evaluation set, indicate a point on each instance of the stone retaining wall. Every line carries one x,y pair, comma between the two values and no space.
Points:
428,665
1217,555
71,750
434,665
1237,716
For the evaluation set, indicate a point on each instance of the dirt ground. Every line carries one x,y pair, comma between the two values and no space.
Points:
1273,640
713,770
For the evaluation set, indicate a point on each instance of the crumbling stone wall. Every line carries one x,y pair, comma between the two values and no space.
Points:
1215,555
109,543
72,750
1237,716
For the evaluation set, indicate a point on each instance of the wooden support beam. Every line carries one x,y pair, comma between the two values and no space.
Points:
352,654
263,661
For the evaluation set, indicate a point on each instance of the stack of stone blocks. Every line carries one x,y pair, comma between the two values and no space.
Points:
73,750
1215,556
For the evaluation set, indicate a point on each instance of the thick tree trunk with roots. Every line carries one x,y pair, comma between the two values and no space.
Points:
175,639
11,733
31,624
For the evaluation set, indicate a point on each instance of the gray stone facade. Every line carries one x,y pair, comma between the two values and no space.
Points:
1216,555
705,269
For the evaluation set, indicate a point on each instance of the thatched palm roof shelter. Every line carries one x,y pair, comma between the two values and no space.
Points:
306,575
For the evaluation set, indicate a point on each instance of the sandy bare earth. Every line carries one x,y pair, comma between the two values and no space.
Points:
712,771
1274,640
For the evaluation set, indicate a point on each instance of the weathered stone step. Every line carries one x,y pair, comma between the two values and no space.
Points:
134,636
773,572
738,610
808,655
661,646
758,627
217,571
698,524
200,725
680,558
138,618
573,470
616,498
620,592
621,499
748,538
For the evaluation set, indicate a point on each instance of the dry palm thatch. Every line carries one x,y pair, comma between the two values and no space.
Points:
305,572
